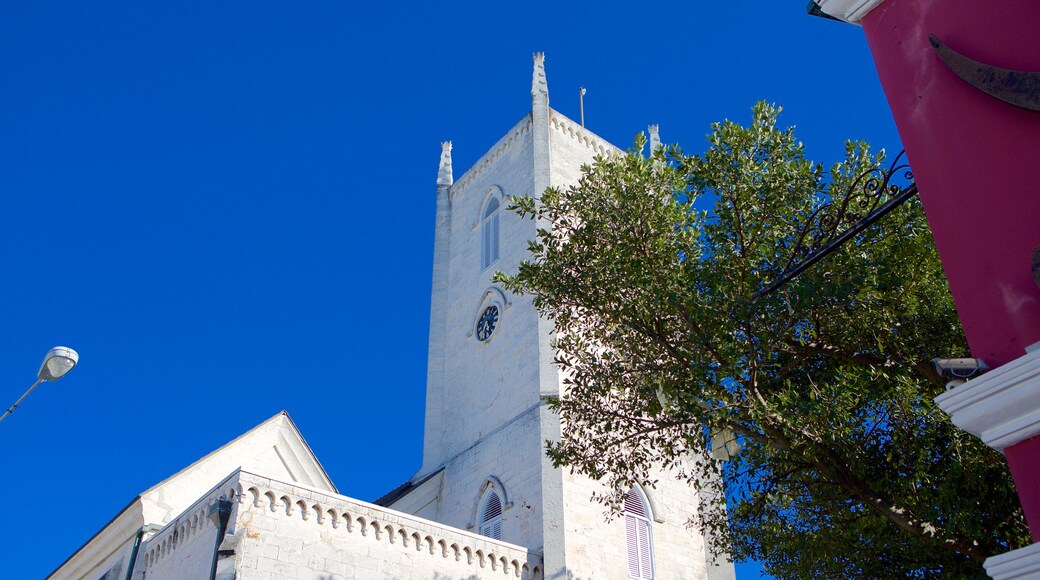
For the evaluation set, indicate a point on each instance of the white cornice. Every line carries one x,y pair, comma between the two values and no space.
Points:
1002,407
851,11
1018,564
116,536
263,501
568,127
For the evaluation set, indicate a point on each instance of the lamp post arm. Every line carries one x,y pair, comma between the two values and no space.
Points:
20,399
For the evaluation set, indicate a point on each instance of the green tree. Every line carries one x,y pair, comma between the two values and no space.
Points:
847,467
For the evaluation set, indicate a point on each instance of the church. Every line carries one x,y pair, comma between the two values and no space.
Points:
486,502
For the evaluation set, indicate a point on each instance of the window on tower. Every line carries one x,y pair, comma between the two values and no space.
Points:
489,233
491,515
638,536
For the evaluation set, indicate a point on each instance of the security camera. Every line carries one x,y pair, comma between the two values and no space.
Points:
959,370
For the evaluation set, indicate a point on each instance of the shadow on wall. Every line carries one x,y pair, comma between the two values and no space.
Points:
439,576
436,576
560,576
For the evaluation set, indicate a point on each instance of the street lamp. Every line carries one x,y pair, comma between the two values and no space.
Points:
58,361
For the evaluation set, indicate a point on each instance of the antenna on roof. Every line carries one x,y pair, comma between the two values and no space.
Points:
581,102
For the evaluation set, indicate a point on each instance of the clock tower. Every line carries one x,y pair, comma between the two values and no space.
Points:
490,372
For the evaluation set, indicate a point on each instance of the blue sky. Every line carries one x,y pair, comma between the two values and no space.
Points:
227,208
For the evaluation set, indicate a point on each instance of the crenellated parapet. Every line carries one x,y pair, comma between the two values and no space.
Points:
189,532
273,520
568,128
562,125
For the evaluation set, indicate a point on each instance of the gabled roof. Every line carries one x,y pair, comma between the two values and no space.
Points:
275,448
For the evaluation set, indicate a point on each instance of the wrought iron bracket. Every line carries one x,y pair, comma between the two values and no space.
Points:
823,233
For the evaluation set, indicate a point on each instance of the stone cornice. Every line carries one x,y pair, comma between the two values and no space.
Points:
488,158
279,499
559,122
567,127
851,11
115,536
1002,407
188,525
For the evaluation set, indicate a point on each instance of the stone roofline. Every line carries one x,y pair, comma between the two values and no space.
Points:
518,130
353,516
570,128
562,125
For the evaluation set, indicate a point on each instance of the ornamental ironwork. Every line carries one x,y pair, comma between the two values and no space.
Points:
1016,87
870,196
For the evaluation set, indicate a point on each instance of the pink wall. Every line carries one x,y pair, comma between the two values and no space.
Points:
1025,469
976,159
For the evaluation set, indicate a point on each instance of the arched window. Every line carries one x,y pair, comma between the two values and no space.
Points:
637,533
490,521
489,233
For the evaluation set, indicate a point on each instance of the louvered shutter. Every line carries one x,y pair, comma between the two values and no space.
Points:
638,537
645,565
632,536
489,233
491,516
634,503
494,237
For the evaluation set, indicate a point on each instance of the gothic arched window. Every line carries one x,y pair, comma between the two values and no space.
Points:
638,536
490,519
489,233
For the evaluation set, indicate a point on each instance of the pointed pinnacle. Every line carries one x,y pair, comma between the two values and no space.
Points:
444,176
539,86
655,137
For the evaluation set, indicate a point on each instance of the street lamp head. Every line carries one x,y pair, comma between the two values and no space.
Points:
59,360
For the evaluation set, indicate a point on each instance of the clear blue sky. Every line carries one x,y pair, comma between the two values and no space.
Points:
227,208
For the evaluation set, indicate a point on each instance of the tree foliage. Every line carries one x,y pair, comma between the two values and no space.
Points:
847,467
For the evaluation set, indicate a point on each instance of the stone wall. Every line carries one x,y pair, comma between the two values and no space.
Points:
484,383
283,531
487,421
508,458
595,547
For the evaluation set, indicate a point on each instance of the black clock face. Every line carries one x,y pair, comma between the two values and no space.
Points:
487,322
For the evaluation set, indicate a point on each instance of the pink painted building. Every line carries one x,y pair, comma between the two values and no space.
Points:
976,160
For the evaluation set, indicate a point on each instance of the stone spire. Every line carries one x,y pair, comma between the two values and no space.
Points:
539,87
655,138
541,151
444,176
436,393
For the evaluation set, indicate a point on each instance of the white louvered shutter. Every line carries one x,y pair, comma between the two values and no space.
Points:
638,536
632,536
489,234
491,516
645,564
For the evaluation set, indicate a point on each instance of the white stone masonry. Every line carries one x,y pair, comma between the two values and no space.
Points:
283,531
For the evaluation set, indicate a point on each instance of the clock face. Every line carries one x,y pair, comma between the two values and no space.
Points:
486,324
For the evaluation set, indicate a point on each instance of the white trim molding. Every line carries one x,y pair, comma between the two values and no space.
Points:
1002,407
851,11
1017,564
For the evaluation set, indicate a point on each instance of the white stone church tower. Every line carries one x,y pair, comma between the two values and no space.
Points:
491,370
486,502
